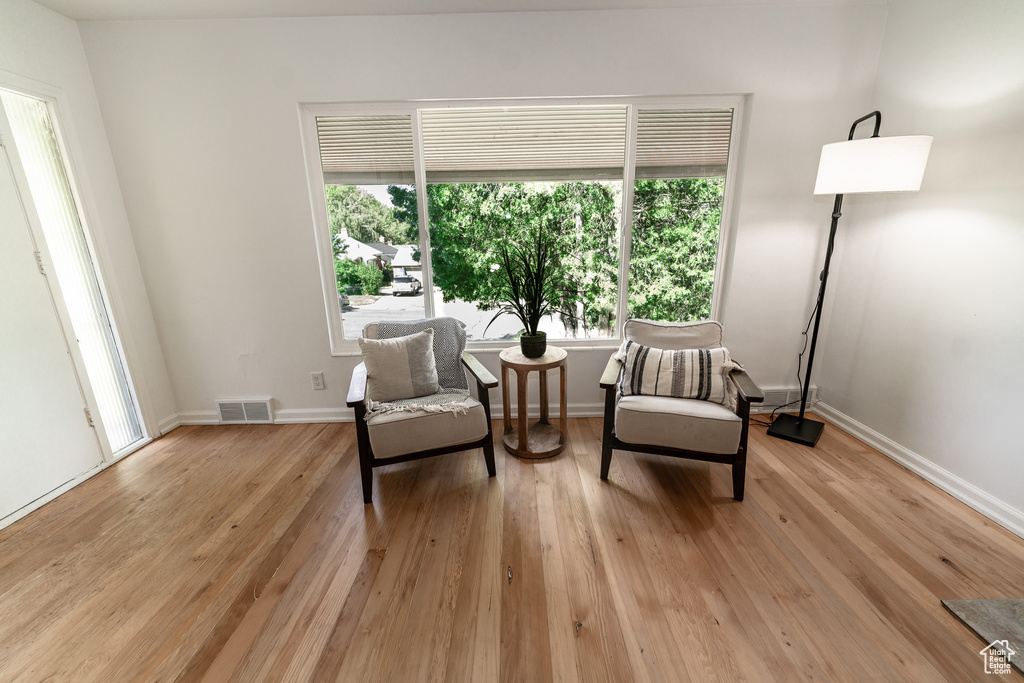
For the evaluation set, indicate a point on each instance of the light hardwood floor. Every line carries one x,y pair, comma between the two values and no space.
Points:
244,553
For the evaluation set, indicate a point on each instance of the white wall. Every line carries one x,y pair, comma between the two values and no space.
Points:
203,125
40,46
926,340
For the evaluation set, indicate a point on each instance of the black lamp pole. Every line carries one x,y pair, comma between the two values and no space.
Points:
798,428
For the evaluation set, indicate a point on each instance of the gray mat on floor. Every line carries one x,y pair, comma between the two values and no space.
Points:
993,620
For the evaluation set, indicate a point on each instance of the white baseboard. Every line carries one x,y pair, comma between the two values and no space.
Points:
313,415
995,509
168,423
284,416
199,417
317,415
579,409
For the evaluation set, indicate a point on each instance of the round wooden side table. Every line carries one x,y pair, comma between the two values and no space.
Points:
539,439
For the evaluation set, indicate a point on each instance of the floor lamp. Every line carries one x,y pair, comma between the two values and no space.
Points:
875,164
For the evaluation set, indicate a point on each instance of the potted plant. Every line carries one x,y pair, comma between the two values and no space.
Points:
524,289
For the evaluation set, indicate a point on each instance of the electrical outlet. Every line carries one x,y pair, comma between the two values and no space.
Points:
317,379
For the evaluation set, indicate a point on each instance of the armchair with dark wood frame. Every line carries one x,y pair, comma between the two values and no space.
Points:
484,381
747,392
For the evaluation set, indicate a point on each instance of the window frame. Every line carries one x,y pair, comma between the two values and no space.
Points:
308,113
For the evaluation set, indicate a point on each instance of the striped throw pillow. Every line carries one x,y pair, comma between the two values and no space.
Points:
687,373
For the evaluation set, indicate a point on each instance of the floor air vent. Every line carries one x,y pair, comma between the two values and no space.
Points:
239,412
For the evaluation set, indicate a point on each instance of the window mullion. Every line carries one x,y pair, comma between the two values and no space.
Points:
420,174
625,240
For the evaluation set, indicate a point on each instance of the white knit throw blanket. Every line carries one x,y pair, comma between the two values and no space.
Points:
449,343
445,401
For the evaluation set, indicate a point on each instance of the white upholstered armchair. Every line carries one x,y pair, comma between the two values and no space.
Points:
637,417
448,420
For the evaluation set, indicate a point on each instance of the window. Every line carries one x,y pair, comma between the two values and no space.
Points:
634,190
469,221
495,174
681,161
367,165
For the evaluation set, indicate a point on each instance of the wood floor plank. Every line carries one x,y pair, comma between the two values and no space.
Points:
328,662
166,566
525,637
308,576
301,483
768,585
866,564
872,644
870,504
474,647
561,628
226,641
682,603
378,646
245,553
432,601
598,641
636,587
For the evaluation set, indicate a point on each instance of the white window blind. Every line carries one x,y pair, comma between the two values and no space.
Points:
366,150
524,143
682,143
41,158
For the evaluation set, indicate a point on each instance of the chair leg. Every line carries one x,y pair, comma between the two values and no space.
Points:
485,399
609,430
739,466
739,475
606,459
365,458
366,472
489,456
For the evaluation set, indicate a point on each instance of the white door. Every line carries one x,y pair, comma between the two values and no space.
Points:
45,438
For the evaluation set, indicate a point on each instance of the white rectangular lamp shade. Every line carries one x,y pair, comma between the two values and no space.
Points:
889,164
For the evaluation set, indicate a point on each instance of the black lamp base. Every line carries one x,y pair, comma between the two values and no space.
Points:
799,430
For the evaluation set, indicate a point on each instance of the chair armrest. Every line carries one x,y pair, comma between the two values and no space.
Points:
610,377
748,391
357,386
483,377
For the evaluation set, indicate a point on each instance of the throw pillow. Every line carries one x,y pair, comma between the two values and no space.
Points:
402,367
686,373
449,343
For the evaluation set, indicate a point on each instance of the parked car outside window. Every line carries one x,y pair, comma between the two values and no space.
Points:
405,284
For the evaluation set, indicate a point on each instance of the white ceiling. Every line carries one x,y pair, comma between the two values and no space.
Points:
102,10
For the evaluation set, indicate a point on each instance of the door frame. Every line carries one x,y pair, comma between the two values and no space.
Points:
56,102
